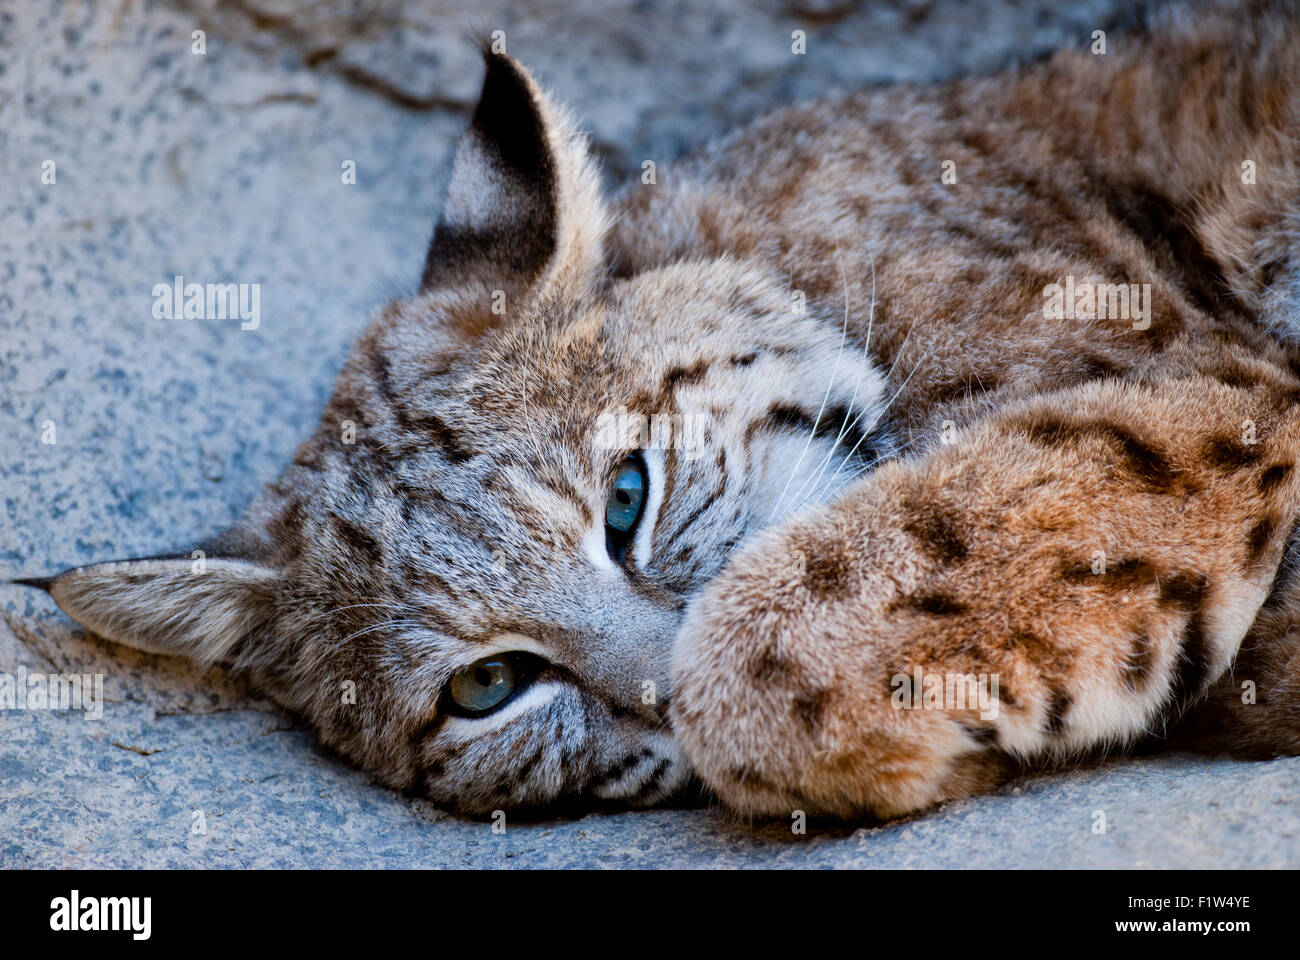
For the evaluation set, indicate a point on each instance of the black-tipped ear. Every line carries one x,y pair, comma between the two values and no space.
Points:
40,583
198,608
524,199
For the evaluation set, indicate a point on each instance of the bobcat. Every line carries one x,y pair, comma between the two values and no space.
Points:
991,379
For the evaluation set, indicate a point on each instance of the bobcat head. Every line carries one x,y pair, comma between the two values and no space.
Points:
470,578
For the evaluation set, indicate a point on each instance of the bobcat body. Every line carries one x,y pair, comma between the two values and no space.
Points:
900,461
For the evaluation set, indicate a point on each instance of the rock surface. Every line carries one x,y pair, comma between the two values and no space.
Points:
225,167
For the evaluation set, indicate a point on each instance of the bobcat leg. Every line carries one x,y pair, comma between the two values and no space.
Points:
1100,552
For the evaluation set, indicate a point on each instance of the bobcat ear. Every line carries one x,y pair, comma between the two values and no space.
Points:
197,608
523,208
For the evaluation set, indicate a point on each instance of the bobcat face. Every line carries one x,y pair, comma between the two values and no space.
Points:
470,579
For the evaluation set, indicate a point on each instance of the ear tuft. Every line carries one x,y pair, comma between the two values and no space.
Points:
198,609
40,583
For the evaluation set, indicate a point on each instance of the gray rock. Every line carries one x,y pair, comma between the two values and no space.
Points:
225,167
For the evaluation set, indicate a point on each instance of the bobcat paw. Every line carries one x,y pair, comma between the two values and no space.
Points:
782,683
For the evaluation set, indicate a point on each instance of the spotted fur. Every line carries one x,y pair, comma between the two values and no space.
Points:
903,462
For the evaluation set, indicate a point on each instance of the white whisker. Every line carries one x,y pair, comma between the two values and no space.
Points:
844,333
815,477
382,625
889,403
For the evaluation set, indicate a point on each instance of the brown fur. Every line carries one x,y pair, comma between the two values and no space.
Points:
917,471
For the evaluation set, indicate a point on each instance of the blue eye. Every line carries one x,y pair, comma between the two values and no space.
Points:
626,497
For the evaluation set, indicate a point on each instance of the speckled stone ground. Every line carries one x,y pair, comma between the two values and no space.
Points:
225,167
